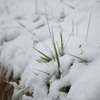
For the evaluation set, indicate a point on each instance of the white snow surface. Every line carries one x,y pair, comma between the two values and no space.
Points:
80,64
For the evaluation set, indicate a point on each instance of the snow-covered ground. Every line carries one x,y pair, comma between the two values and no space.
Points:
79,22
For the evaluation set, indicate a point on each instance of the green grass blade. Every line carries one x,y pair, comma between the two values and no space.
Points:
56,55
58,48
35,73
77,57
61,50
62,44
55,50
53,42
42,71
89,24
47,57
49,29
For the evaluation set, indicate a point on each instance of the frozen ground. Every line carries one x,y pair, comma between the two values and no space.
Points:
80,64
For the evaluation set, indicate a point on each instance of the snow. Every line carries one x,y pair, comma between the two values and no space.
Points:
79,66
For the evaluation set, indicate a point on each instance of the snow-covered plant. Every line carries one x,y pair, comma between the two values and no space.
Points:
58,50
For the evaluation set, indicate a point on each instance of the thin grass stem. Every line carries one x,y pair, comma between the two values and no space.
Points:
77,29
42,71
89,24
68,5
77,57
47,21
56,52
36,7
73,27
35,73
68,38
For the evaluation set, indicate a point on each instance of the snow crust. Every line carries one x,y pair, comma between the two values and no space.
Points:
80,64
